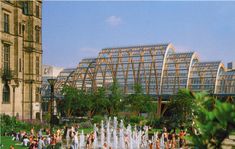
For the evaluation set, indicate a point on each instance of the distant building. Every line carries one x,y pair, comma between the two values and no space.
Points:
47,73
51,72
20,58
159,68
231,65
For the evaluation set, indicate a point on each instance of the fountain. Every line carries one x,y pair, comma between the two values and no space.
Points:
82,140
102,133
162,145
113,134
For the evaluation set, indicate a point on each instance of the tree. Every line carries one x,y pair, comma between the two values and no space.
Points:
70,102
208,120
138,101
180,109
114,97
213,121
97,101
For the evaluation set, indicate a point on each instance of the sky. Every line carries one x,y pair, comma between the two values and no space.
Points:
72,30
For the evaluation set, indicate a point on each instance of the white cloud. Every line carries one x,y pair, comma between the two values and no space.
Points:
114,20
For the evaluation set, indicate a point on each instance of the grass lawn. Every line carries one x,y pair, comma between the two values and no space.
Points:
6,141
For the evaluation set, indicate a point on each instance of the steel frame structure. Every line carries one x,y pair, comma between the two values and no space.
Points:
158,68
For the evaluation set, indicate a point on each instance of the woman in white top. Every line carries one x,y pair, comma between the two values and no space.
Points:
67,137
75,140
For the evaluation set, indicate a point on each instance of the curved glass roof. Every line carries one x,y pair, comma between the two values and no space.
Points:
159,69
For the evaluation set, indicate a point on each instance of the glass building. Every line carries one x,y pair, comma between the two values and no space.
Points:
160,70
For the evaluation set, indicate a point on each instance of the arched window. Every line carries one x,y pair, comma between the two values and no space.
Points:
6,94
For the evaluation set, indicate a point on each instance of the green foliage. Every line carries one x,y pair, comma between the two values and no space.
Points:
155,123
6,142
114,98
108,101
180,110
97,102
71,100
86,124
9,124
97,118
58,146
212,125
138,88
209,120
47,117
136,119
138,101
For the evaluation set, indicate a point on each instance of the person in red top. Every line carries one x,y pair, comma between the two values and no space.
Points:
181,136
53,141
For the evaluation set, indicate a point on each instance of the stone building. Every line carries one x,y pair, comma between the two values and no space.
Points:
21,58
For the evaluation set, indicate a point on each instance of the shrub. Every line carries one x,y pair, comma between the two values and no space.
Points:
58,146
9,124
97,119
155,123
86,124
136,119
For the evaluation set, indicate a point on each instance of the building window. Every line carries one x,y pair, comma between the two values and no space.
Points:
37,11
37,65
20,66
25,8
20,26
6,94
6,23
6,57
23,28
37,35
37,94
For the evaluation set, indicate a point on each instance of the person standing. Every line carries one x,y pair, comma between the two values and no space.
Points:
67,131
165,137
75,140
32,131
41,144
181,136
53,141
40,133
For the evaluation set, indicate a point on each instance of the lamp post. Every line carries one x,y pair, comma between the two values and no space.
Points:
13,103
40,91
14,85
52,82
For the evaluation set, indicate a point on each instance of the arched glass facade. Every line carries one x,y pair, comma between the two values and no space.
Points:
158,68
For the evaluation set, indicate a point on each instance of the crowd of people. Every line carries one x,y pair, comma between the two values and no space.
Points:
36,140
168,140
164,140
44,138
